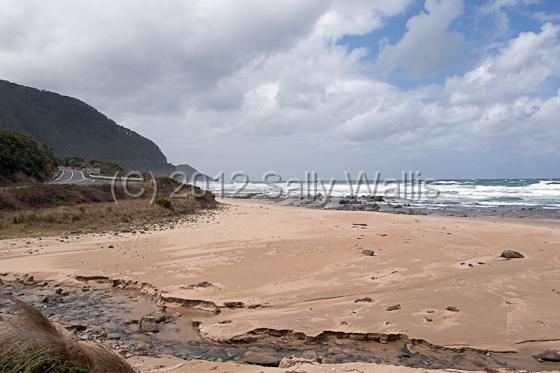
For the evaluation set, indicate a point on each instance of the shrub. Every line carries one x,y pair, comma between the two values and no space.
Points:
164,202
22,157
18,219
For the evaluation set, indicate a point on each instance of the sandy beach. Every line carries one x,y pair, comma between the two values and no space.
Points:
439,279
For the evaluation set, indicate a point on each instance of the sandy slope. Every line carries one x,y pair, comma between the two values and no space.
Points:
307,267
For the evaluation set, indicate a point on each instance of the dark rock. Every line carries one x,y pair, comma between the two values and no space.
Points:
159,316
363,300
148,324
234,304
261,359
394,307
53,298
76,327
452,309
511,254
548,355
349,201
368,252
224,322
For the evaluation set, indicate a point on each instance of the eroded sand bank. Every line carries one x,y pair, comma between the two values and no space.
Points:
304,270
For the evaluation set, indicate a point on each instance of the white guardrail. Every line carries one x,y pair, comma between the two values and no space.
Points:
101,177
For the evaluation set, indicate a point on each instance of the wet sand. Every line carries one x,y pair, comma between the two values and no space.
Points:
285,268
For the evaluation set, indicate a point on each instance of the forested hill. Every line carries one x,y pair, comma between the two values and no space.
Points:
73,128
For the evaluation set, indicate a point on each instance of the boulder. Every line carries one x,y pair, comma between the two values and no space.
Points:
511,254
258,358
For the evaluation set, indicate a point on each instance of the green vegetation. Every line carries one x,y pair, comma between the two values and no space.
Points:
23,159
108,168
164,202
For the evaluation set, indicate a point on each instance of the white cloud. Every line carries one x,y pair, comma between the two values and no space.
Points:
428,44
519,68
546,16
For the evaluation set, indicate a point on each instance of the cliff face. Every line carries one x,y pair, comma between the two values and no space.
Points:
73,128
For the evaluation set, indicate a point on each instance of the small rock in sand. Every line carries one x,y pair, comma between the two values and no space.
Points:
148,324
234,304
53,298
160,316
310,355
290,362
511,254
260,359
368,252
452,309
407,350
364,300
394,307
548,355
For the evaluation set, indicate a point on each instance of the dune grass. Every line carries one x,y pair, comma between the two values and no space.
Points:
30,343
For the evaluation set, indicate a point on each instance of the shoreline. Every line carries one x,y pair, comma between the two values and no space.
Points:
404,207
303,270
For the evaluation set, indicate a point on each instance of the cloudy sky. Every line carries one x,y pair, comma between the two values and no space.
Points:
445,87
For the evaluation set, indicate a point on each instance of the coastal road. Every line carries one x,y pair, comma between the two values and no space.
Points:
71,176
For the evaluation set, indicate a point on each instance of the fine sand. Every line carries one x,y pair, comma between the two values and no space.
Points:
303,269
